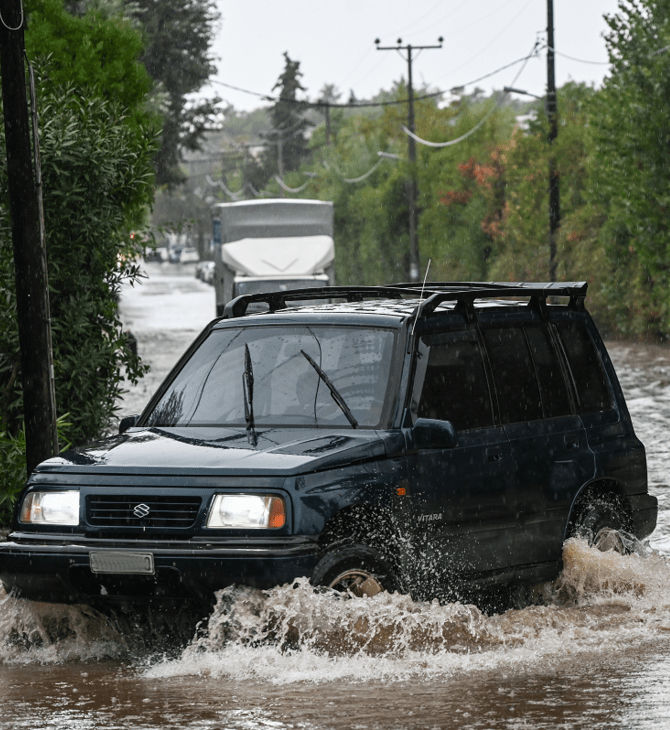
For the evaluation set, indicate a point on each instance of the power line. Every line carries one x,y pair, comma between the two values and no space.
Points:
581,60
285,187
371,104
351,180
410,133
486,48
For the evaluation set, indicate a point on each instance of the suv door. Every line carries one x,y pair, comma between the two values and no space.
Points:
463,513
619,454
551,455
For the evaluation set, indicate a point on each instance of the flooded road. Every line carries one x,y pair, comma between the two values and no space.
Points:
595,654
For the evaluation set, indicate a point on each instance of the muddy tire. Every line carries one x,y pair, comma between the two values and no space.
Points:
603,524
357,569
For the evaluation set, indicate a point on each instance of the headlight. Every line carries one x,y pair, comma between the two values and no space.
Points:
51,508
247,511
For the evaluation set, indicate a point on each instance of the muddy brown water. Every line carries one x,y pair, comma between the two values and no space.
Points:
596,654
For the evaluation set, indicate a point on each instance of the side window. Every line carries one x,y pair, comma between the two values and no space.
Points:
553,389
586,367
454,386
513,373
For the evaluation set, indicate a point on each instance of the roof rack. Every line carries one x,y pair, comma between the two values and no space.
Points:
277,300
433,294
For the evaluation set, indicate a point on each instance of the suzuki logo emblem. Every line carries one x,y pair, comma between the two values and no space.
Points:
141,510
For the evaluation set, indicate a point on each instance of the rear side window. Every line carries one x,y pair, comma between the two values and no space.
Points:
455,387
553,388
513,373
587,370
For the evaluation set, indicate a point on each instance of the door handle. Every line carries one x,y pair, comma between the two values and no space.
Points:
494,456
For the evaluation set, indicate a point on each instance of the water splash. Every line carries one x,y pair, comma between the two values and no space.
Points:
293,633
601,601
46,633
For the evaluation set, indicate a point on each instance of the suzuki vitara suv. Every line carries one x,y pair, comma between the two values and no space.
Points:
389,438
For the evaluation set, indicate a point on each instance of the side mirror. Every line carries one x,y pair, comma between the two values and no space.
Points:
430,433
128,422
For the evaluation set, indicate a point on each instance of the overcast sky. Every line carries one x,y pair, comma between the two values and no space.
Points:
334,42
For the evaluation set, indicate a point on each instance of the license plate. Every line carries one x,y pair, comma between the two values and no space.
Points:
122,562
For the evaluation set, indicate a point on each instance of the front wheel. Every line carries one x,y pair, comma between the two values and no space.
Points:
356,569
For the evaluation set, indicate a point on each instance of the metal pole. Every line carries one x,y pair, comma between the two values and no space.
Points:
552,116
414,258
328,124
280,161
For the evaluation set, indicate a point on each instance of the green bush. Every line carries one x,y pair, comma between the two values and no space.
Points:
98,185
13,465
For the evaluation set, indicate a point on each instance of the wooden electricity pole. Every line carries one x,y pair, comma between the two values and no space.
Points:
413,187
28,241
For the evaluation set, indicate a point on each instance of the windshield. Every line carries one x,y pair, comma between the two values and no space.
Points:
212,388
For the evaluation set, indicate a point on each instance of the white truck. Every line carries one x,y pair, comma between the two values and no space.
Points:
271,245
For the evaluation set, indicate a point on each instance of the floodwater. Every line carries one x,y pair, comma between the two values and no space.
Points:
593,653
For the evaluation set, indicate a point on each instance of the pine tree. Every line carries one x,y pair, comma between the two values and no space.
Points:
287,141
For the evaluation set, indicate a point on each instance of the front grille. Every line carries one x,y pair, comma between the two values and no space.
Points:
142,511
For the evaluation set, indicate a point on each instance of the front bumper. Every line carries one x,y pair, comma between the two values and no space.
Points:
60,572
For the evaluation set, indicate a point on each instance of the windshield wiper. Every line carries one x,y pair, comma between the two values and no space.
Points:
248,392
333,391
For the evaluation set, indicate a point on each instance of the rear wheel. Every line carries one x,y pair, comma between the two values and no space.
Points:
601,523
356,569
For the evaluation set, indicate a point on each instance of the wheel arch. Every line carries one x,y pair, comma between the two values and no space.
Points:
608,490
367,522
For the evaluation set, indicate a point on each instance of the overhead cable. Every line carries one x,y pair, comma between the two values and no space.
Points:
479,123
285,187
458,139
19,26
370,104
330,166
219,183
581,60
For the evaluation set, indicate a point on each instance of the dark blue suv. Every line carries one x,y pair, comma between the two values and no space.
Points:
428,441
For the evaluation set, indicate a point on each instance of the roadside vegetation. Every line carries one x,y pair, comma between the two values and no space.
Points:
108,131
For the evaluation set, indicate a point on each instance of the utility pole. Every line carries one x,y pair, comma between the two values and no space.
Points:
28,242
552,116
328,124
280,161
413,192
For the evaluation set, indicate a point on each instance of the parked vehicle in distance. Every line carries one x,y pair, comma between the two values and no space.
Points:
205,271
434,442
189,255
262,246
174,254
159,254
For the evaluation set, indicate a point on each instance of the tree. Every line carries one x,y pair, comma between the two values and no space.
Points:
462,186
632,123
288,147
93,52
177,39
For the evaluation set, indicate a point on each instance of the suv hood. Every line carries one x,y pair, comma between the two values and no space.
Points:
220,452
